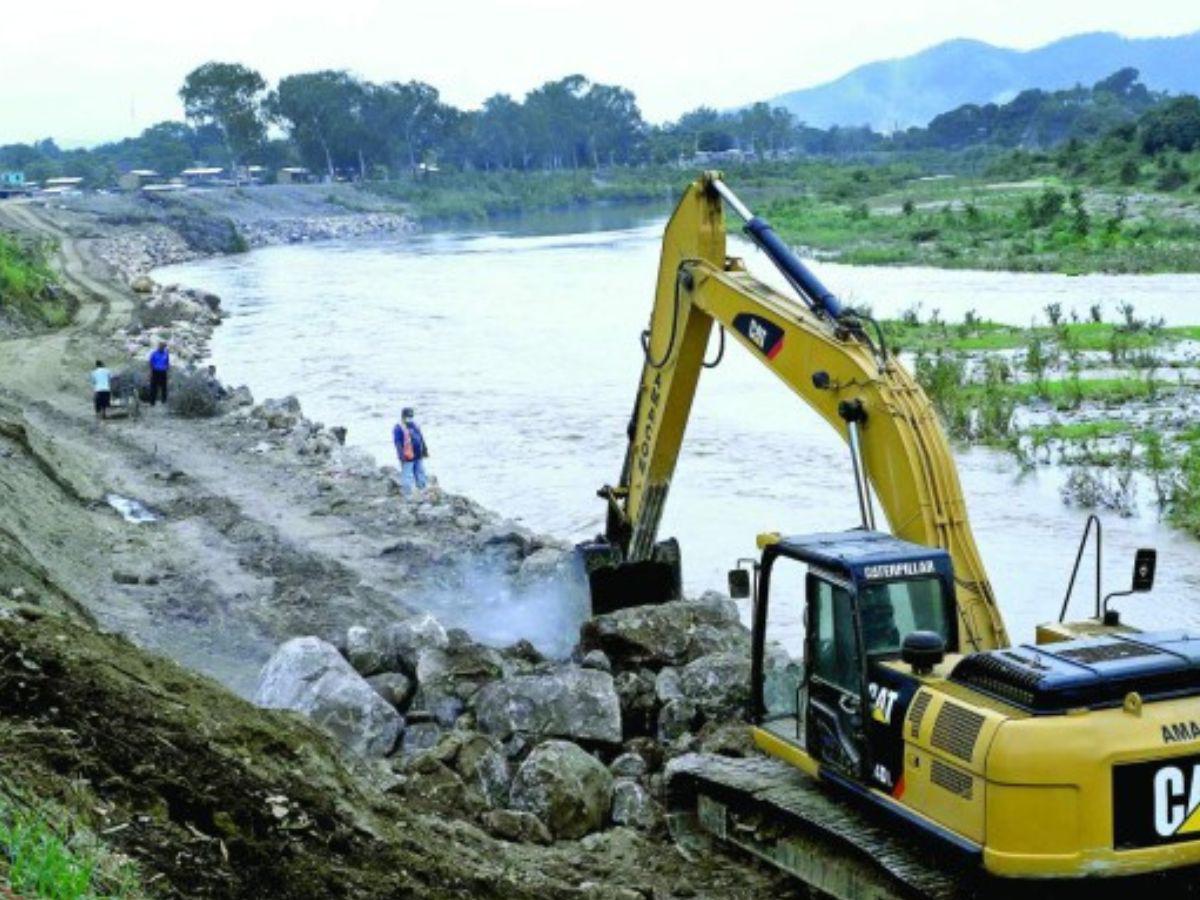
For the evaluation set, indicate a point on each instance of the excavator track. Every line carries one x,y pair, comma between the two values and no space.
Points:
841,848
781,815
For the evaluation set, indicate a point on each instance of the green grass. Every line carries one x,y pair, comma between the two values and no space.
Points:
28,286
45,853
1081,432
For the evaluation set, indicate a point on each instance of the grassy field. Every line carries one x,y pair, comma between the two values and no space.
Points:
951,211
1046,225
28,289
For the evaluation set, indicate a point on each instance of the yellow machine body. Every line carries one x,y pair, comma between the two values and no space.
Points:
1031,795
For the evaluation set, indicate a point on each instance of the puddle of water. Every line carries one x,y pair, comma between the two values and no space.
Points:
132,511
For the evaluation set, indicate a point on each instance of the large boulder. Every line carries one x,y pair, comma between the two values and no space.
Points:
310,676
632,805
407,639
283,413
639,705
718,684
516,826
668,634
564,786
367,650
394,687
479,760
577,704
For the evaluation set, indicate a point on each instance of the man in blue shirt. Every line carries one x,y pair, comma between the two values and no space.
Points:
160,365
411,450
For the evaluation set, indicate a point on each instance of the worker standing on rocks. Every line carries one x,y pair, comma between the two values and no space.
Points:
411,450
101,390
160,366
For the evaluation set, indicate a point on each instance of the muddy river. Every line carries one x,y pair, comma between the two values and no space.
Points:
518,345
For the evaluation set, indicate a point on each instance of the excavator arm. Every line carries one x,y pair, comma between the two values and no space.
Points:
827,356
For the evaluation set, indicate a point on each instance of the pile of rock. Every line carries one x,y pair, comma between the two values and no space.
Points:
323,228
534,749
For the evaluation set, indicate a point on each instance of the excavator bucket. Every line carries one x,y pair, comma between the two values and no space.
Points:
616,584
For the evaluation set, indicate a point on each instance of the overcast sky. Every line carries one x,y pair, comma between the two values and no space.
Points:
90,71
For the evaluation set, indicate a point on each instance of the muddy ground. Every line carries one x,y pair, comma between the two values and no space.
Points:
105,624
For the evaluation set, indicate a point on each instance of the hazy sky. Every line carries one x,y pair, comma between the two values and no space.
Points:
92,71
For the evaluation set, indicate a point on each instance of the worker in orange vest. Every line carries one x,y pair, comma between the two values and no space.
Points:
411,450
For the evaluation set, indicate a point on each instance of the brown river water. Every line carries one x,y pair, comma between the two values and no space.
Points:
518,345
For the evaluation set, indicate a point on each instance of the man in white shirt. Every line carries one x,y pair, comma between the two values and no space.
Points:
101,390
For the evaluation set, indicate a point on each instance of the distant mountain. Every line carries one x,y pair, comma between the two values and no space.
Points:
898,93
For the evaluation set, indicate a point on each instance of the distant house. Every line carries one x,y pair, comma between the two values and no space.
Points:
164,187
136,179
63,185
13,184
293,175
203,176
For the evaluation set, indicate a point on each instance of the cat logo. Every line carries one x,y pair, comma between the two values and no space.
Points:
1177,801
757,333
763,334
883,702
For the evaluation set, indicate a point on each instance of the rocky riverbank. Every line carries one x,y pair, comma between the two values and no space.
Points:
251,545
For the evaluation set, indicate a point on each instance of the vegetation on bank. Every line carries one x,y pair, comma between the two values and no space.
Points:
29,291
1027,391
46,852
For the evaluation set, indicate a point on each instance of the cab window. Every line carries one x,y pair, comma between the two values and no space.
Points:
893,609
835,648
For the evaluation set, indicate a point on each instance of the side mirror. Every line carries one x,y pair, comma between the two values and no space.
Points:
739,584
923,650
1144,564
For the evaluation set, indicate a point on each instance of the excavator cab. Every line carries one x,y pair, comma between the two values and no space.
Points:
862,610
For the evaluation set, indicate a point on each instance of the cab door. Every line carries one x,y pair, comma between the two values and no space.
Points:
835,726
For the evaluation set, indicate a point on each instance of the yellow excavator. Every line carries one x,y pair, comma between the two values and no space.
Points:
910,750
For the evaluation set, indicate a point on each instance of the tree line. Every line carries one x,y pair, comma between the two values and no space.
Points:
339,125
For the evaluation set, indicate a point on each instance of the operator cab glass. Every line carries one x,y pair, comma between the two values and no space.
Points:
831,613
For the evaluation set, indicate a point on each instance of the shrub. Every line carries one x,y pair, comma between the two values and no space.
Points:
192,396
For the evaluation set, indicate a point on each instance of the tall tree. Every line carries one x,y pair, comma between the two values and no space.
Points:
323,113
228,96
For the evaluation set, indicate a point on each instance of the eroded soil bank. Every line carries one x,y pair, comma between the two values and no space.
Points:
264,527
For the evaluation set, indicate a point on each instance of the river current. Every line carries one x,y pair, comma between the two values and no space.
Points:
518,346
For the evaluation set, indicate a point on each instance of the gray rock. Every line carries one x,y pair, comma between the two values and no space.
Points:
628,765
666,685
517,827
394,687
596,659
677,718
718,684
565,787
142,284
639,706
367,650
668,634
481,763
438,698
546,562
280,413
579,704
632,805
409,637
241,396
309,676
419,737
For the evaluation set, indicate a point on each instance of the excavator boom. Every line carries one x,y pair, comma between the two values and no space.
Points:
826,355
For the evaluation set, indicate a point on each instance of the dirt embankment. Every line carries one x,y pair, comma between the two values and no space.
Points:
265,527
